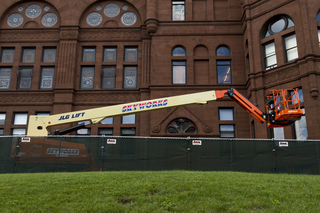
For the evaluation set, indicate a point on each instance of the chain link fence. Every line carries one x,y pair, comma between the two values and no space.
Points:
71,154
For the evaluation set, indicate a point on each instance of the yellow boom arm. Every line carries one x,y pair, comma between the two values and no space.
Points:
38,124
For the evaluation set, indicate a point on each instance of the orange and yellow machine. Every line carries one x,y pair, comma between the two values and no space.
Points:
282,109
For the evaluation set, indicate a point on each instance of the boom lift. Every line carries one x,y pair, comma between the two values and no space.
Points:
282,109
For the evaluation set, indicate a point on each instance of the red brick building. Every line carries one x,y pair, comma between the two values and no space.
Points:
60,56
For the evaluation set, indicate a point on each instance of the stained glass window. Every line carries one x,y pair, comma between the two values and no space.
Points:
130,78
131,54
49,55
110,54
5,78
47,74
89,55
25,77
108,74
87,78
28,55
7,55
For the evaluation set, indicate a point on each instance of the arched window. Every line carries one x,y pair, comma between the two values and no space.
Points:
181,126
179,70
178,51
278,25
318,23
223,50
279,28
224,72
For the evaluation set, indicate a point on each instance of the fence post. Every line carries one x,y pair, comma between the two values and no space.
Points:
16,154
59,155
274,155
231,155
188,151
318,156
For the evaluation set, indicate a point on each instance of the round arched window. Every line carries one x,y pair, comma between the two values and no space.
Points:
318,17
181,126
278,25
223,51
178,51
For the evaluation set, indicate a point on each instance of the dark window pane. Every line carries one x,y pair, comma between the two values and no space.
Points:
227,131
108,74
128,131
25,77
224,72
105,131
318,17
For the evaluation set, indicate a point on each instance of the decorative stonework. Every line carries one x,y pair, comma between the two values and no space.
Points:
128,18
112,10
106,98
31,24
157,128
33,11
49,19
69,34
29,35
26,98
94,19
15,20
110,34
280,75
111,24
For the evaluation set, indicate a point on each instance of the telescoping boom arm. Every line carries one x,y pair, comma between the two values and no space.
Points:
38,125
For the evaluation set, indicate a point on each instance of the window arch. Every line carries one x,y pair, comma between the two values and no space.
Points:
179,68
318,23
223,50
279,28
179,51
181,126
277,25
318,16
200,50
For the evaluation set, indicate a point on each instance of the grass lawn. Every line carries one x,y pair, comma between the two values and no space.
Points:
165,191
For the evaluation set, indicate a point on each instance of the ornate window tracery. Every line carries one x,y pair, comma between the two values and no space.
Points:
181,126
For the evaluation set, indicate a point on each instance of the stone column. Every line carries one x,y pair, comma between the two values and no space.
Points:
65,71
152,19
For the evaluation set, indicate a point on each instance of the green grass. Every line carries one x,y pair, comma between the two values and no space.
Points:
169,191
